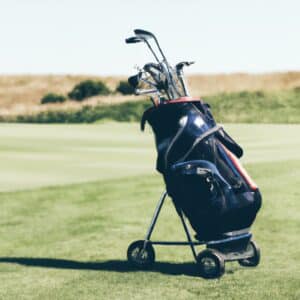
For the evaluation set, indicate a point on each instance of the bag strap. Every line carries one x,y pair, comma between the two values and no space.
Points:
196,142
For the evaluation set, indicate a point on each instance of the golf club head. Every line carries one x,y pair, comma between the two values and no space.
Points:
134,80
133,40
144,34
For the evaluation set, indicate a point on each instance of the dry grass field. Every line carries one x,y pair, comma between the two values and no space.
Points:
21,94
203,85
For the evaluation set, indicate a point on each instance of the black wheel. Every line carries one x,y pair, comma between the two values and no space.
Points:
254,260
211,263
139,256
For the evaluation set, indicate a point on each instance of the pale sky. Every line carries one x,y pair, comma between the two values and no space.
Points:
87,37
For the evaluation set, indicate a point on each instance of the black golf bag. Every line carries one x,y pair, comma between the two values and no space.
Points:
200,166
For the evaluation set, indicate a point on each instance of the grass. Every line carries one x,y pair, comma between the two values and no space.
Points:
257,107
242,107
33,156
69,241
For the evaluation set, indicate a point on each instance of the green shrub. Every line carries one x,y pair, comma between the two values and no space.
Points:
53,98
87,89
125,88
297,89
259,94
248,94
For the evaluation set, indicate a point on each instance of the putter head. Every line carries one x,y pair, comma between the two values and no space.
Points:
133,40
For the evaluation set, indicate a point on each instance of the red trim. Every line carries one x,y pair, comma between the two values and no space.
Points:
241,169
183,99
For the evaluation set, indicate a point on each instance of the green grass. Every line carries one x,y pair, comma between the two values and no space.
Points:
33,156
257,107
243,107
70,241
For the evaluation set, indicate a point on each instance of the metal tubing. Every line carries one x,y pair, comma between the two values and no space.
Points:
230,239
151,49
155,216
174,243
183,84
159,48
190,242
167,71
144,92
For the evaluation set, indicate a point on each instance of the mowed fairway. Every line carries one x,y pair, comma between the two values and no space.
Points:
74,196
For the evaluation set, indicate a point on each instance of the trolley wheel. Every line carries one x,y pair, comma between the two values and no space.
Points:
254,260
139,256
211,263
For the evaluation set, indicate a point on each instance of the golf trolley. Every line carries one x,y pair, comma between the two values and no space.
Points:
234,246
166,84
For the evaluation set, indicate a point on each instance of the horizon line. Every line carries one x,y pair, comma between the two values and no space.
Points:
126,75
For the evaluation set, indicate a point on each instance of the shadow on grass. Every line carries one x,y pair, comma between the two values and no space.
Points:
189,269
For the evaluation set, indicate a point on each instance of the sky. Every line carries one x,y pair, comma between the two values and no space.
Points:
87,37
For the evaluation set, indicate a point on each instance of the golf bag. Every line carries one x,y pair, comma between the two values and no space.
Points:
200,166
